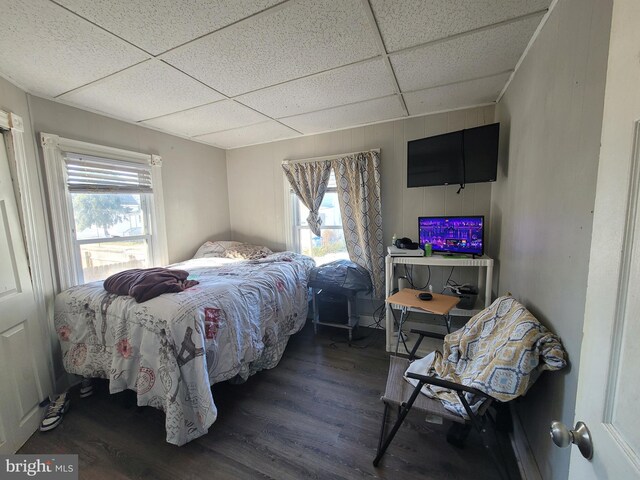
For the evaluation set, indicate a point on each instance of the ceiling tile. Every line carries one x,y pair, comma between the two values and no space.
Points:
215,117
158,25
299,39
414,22
63,52
457,95
147,90
240,137
328,89
347,116
471,56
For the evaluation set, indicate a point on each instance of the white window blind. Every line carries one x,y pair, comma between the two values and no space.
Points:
88,174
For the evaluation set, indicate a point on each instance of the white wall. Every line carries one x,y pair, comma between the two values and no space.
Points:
194,176
256,181
256,185
542,203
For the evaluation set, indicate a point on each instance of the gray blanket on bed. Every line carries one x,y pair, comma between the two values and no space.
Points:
171,349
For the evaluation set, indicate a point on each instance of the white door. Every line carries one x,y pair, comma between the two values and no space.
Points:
23,370
609,380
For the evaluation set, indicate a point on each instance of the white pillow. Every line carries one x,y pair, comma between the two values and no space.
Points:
215,249
247,251
231,249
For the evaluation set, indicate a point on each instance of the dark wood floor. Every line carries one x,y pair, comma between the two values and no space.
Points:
316,415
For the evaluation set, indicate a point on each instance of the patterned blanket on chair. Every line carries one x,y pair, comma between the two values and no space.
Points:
500,351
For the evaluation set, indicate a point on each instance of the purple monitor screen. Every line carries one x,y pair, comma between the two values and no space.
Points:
453,234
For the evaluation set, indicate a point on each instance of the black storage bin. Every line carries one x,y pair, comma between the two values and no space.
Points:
468,295
335,287
333,307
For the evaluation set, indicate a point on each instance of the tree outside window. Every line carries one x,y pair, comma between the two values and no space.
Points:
110,232
101,210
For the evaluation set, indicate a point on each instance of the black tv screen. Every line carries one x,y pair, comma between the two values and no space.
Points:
481,153
465,156
435,160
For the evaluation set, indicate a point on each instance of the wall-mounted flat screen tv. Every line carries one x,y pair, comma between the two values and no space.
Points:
453,235
465,156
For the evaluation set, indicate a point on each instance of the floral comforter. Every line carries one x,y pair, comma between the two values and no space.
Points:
171,349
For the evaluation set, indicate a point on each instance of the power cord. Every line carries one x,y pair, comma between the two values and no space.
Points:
454,286
447,283
408,270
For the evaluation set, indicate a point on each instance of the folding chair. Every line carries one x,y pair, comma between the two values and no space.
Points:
502,349
402,394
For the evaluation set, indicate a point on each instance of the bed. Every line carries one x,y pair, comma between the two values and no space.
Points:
172,348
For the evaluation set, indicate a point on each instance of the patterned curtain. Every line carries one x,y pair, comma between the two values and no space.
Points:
358,181
309,182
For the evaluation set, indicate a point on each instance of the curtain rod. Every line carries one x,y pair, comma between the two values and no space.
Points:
329,157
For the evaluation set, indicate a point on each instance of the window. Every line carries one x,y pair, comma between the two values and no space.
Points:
104,209
330,245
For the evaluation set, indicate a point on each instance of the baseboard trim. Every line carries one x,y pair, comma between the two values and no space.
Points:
522,450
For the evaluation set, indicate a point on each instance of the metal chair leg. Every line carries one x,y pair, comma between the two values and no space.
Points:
403,317
403,414
382,428
481,428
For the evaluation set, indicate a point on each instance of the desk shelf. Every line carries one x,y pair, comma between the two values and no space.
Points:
482,263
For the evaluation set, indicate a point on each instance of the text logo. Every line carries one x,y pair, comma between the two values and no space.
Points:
50,467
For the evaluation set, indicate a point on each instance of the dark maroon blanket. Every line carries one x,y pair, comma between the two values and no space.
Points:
147,283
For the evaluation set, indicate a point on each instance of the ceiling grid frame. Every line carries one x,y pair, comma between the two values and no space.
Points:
383,51
376,33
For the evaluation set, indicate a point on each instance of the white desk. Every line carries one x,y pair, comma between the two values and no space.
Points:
438,261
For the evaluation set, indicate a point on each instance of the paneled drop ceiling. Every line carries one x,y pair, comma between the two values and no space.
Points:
232,73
